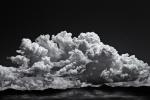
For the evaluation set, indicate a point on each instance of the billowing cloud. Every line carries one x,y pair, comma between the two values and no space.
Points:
63,61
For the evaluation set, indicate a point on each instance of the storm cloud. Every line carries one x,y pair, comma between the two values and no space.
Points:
64,61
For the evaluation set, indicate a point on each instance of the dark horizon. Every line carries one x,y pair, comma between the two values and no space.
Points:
103,92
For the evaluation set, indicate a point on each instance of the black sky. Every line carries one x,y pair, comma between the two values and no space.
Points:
124,25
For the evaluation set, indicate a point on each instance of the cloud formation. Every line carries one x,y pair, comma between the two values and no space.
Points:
63,61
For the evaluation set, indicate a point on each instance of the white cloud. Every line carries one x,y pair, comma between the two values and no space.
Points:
69,62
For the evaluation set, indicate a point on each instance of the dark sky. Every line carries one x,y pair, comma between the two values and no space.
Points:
124,25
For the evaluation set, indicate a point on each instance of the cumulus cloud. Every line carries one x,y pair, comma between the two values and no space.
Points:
63,61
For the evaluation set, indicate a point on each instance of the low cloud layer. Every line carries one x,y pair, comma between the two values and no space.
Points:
64,61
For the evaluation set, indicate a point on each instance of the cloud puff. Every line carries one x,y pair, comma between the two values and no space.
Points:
63,61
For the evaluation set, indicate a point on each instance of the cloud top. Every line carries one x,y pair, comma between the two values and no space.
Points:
63,61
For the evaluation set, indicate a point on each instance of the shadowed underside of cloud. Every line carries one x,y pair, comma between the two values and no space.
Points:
63,61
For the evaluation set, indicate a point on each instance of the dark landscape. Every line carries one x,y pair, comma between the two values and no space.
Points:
88,93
